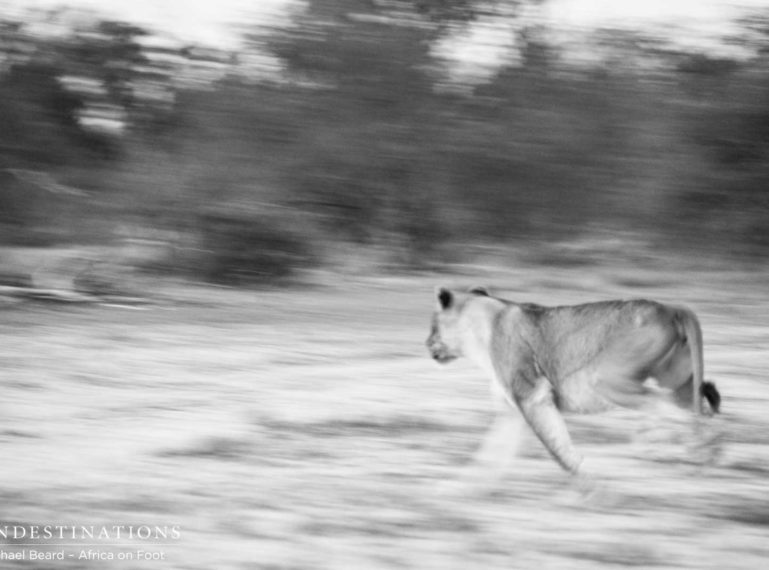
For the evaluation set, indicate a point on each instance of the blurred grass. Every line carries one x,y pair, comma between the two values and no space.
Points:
203,410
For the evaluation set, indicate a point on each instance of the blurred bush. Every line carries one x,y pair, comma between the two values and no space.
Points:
241,249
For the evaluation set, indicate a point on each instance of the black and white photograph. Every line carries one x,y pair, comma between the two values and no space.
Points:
384,284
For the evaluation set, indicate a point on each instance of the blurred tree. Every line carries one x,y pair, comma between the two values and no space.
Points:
49,87
354,136
368,121
727,122
59,82
110,53
39,116
731,191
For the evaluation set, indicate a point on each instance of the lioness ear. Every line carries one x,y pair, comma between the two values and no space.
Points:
480,291
445,298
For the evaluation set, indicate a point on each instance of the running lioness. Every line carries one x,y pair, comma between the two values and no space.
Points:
582,358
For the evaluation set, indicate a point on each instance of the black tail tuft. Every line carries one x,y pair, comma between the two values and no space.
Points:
710,392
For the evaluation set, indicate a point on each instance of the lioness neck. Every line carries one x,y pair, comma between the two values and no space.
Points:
482,316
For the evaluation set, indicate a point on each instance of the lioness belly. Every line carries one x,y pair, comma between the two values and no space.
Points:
580,393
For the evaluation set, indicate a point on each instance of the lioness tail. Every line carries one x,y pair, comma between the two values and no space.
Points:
710,392
693,335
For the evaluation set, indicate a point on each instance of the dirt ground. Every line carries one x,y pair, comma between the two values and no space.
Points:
307,429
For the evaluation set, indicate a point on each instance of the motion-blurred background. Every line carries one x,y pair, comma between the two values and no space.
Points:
175,164
239,145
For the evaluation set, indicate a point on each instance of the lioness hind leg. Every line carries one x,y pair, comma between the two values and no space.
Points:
707,431
670,420
662,422
704,433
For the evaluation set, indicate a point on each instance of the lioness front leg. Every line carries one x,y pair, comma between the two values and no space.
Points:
539,410
500,445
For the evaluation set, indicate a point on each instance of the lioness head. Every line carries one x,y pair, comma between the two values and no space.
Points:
452,323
